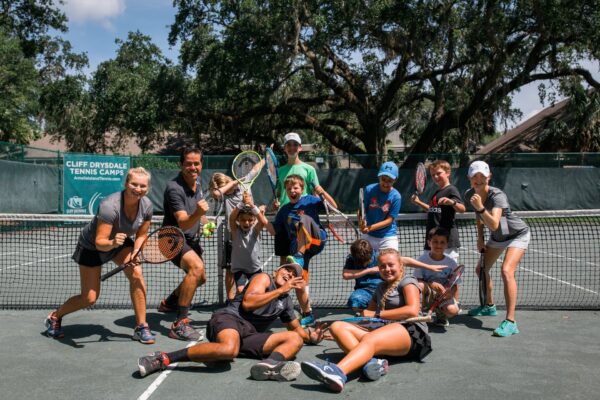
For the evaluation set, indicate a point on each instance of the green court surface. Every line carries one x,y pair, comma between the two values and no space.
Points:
554,357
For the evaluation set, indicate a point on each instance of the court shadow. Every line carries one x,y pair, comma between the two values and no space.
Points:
156,322
464,320
80,331
196,368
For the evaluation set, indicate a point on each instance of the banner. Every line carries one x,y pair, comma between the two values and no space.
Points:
90,178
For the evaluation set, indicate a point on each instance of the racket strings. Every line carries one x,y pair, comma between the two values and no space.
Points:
163,246
243,166
420,178
271,167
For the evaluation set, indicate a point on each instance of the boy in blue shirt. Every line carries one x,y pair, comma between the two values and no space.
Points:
382,205
300,220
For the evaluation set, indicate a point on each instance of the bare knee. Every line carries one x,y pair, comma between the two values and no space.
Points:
89,298
227,351
197,273
336,327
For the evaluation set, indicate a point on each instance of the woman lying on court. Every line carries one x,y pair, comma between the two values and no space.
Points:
108,237
239,329
396,299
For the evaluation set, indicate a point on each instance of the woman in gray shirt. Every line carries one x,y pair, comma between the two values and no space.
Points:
508,232
107,238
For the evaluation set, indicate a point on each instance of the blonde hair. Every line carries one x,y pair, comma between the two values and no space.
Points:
218,180
391,286
138,171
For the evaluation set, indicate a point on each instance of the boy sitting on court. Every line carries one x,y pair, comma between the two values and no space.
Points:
245,224
299,220
432,284
361,265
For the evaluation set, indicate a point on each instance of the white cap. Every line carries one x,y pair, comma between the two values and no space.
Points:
292,136
479,167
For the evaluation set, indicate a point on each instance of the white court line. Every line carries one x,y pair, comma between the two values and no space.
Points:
26,250
548,276
34,262
161,378
566,258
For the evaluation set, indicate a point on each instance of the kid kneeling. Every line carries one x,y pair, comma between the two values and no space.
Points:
432,283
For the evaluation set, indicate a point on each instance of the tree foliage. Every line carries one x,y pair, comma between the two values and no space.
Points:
440,70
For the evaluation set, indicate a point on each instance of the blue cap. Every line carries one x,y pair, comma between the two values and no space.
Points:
389,169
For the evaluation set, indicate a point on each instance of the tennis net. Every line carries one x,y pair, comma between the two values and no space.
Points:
561,268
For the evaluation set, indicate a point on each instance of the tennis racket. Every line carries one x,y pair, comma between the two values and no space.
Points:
271,165
160,246
420,178
372,323
482,280
246,167
342,229
215,211
361,204
448,289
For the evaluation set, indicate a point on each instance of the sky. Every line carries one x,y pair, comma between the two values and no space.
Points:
95,24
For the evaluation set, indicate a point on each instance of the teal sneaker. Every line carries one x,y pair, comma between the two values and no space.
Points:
307,320
485,310
506,328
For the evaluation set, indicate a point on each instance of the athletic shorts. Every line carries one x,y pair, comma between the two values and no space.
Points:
360,298
387,242
420,345
188,245
519,242
242,278
94,258
251,341
282,244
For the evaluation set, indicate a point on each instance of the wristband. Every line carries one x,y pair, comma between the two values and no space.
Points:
480,211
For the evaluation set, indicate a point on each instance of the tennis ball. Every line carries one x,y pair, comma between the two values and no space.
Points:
209,229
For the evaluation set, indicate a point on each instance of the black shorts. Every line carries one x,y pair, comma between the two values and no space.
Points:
420,342
94,258
251,341
282,244
242,277
189,245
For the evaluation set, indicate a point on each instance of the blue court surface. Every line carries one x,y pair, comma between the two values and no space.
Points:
554,357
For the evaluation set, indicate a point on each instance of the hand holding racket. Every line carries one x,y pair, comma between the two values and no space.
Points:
160,246
420,181
448,289
246,168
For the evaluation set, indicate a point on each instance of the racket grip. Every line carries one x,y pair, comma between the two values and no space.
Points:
424,318
113,272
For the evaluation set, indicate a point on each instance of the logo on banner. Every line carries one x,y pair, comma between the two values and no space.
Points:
75,202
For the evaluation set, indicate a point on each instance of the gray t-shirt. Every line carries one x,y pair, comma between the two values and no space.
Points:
282,308
510,225
180,197
396,298
245,251
231,202
111,212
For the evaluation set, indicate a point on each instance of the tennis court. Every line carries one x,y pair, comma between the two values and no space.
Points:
554,357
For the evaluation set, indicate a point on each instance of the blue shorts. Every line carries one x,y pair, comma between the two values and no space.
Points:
360,298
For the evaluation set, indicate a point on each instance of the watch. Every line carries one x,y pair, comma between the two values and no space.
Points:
480,211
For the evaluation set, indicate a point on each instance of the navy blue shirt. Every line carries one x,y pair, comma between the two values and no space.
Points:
368,281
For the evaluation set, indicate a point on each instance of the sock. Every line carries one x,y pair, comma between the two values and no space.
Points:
178,355
511,321
307,314
490,305
182,312
274,358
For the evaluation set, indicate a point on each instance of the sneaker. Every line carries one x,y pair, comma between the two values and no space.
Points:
182,330
375,368
299,259
325,372
163,307
282,371
53,327
441,319
506,328
142,334
307,320
152,363
485,310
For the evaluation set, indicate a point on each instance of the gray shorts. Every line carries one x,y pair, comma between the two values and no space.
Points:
519,242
